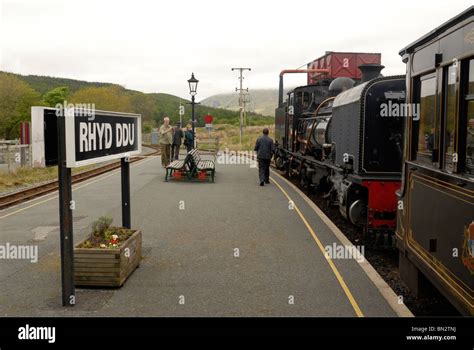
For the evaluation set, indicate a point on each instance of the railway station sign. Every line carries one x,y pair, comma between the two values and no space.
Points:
106,136
76,136
90,137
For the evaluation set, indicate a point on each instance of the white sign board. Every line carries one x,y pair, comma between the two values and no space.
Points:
91,136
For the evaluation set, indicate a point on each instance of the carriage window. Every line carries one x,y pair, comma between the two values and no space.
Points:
470,121
451,116
427,138
470,139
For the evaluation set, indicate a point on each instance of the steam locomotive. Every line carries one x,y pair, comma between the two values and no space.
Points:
333,135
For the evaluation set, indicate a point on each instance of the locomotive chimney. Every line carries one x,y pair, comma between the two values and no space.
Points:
370,71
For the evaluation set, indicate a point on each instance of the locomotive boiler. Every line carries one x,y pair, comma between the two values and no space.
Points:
333,136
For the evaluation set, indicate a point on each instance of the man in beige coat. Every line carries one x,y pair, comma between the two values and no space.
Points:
166,139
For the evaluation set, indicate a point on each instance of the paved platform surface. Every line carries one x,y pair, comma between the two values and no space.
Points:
189,255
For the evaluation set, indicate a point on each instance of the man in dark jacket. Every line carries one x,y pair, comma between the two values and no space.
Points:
177,140
264,148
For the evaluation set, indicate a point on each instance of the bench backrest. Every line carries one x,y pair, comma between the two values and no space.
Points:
194,156
186,160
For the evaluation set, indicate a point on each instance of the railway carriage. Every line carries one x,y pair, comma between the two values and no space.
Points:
435,224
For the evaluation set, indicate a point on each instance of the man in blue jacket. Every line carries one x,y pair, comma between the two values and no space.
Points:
264,148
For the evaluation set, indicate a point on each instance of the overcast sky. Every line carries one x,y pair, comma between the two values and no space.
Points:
153,46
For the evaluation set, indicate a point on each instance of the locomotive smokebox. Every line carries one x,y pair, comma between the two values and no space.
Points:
370,71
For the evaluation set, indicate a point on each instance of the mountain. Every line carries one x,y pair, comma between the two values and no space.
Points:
43,84
262,101
105,96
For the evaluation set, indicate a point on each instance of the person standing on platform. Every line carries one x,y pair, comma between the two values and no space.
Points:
265,149
166,139
177,140
189,138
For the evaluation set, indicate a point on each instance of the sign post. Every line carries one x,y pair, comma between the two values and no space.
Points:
208,119
74,137
65,217
125,172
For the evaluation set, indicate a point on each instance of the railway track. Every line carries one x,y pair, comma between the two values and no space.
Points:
21,196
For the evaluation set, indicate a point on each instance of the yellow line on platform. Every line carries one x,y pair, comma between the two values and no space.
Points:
102,177
339,277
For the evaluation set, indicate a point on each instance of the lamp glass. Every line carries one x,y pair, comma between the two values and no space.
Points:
193,83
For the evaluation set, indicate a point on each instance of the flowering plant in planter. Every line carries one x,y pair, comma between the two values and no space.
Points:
105,236
108,255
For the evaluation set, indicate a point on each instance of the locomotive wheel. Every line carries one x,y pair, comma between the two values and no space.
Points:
279,162
357,212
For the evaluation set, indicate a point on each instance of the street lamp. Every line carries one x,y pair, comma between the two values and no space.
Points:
193,83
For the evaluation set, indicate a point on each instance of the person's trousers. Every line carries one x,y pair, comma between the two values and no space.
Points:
175,151
264,169
189,148
165,154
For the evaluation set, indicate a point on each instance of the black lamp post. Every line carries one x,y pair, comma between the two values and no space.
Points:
193,83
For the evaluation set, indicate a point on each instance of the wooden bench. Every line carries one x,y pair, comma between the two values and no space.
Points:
197,165
177,165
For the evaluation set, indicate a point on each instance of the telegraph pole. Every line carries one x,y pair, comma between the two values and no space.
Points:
245,101
241,98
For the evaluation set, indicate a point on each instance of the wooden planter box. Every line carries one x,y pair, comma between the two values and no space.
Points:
107,267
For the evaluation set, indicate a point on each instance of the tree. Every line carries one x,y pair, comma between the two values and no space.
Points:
143,104
113,98
16,99
56,96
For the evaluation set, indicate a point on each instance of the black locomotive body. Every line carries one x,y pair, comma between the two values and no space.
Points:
334,137
435,225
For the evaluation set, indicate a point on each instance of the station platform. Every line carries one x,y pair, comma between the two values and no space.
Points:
235,249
